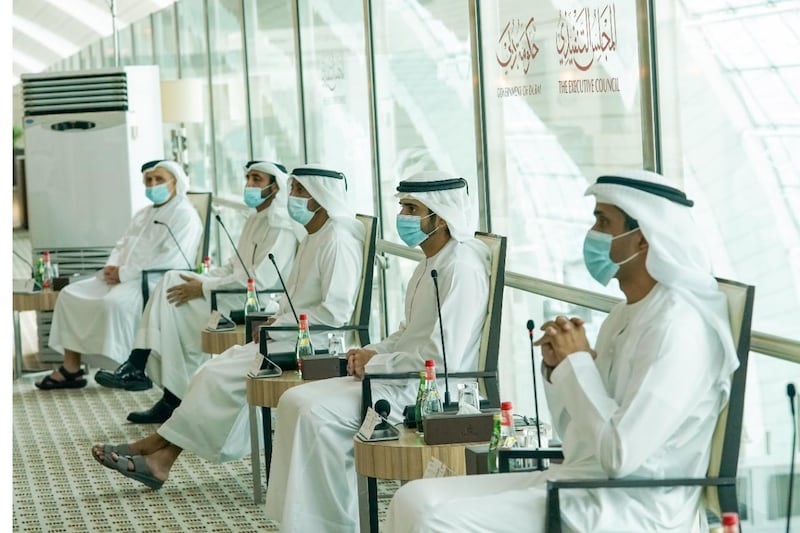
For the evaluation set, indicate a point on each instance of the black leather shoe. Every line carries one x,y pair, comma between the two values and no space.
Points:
126,376
157,414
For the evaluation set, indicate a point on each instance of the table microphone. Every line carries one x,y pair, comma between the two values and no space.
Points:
235,249
383,408
288,298
530,326
790,391
188,264
33,270
435,276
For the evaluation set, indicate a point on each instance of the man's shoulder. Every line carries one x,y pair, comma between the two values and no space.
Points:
472,252
348,228
668,307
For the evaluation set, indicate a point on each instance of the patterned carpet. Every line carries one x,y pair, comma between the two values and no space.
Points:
58,486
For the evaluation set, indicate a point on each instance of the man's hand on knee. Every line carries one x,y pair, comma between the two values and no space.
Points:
111,274
180,294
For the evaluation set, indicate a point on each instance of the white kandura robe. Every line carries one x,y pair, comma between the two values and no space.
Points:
312,484
172,333
212,420
94,317
646,408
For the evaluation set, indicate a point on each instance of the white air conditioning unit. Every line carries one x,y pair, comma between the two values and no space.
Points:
87,134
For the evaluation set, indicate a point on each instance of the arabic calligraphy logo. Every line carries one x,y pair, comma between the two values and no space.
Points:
516,48
586,35
331,71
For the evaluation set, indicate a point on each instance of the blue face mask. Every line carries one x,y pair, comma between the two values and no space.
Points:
158,194
253,198
299,211
410,231
597,255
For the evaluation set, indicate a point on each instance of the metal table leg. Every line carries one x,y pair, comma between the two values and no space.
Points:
266,416
17,347
255,455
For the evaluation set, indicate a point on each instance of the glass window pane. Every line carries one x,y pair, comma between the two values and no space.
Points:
143,41
425,101
85,58
107,51
232,137
125,47
194,65
166,47
335,92
515,368
562,99
272,82
96,54
766,443
729,135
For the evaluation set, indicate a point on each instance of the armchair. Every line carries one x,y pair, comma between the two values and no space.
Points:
202,202
720,482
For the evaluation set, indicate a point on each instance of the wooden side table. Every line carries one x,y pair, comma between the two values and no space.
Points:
265,393
216,342
29,301
405,459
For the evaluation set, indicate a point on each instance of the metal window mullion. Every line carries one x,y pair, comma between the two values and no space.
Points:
176,29
479,118
153,38
301,101
214,184
377,197
650,119
246,71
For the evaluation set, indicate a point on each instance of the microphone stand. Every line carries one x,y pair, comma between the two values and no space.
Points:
790,391
435,276
288,299
188,264
33,273
219,220
530,326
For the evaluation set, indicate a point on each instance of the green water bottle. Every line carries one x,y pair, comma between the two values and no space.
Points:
492,458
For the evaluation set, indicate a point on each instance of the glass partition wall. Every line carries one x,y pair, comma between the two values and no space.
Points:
529,101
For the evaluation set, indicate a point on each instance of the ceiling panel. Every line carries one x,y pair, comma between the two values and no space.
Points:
74,23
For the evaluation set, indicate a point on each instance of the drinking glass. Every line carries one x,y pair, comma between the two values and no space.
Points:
468,400
335,344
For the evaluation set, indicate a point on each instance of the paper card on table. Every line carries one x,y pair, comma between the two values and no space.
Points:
213,321
435,468
22,285
255,366
367,428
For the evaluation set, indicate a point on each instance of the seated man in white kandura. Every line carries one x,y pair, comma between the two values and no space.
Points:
167,342
100,315
312,482
212,420
643,404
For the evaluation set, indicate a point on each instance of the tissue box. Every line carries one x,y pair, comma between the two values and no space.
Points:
324,367
447,428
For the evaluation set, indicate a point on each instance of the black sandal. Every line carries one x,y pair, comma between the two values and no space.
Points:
72,380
